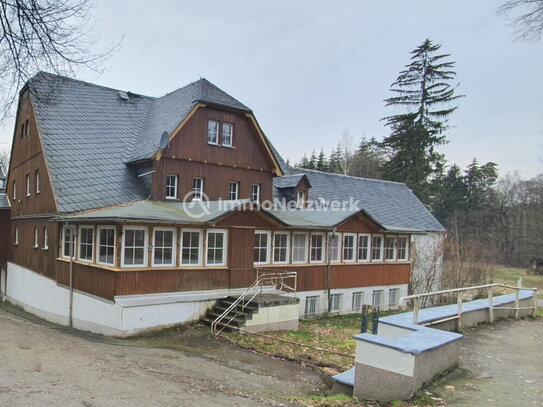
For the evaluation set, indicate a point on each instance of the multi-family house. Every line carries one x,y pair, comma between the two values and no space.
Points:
128,212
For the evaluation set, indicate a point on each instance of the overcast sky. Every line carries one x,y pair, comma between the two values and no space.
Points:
311,70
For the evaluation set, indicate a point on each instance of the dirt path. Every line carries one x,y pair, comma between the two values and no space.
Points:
501,366
42,364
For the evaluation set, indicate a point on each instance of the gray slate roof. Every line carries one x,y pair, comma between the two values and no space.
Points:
391,204
4,202
288,181
89,134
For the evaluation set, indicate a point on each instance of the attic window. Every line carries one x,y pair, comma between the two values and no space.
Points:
227,134
25,129
213,132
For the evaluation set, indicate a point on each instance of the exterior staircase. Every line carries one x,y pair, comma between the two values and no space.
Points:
237,316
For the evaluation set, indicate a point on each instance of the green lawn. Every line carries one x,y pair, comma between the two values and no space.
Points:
510,276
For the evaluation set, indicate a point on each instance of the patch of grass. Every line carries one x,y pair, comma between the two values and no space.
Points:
510,276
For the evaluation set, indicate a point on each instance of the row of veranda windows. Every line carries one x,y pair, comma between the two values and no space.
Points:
28,185
172,189
303,247
97,245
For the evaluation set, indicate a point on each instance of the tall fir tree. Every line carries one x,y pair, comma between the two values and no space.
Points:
424,89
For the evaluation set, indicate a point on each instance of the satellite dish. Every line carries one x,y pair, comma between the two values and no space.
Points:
164,139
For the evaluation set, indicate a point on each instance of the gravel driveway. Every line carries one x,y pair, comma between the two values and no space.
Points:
43,364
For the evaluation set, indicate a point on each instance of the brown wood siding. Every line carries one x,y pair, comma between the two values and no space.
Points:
39,260
247,218
189,155
359,223
370,275
27,158
87,278
240,257
5,233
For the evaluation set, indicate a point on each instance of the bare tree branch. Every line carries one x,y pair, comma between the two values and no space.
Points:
44,35
526,17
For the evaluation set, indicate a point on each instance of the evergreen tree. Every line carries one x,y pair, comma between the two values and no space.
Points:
322,162
423,88
335,160
312,161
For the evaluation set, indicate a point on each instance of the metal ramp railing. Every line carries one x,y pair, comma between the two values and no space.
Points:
265,282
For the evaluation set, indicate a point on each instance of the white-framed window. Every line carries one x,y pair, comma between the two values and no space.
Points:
402,248
213,132
191,247
377,248
316,251
349,247
299,247
105,237
227,134
390,248
14,190
234,190
262,247
45,238
171,186
377,298
86,243
164,244
36,237
216,247
37,181
358,300
281,242
334,247
68,242
255,192
393,296
335,302
27,190
364,247
16,239
311,304
197,189
300,199
134,250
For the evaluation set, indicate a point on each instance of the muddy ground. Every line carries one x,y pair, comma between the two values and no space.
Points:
501,365
43,364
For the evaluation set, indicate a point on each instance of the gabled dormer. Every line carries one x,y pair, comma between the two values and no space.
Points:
293,188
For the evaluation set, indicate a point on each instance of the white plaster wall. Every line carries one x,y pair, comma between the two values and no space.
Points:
273,315
392,331
385,358
347,300
427,263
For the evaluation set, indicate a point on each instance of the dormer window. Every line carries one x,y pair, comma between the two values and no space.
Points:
300,199
227,134
213,132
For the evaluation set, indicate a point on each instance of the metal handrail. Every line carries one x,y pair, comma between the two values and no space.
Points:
460,291
276,282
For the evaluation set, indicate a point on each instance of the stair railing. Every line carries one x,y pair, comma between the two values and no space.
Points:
264,283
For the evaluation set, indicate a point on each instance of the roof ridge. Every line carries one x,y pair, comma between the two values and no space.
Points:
350,176
67,78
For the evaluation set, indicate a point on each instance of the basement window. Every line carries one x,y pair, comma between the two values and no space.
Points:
377,298
335,302
134,252
311,305
358,300
393,296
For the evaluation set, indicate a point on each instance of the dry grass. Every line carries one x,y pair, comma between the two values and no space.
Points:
510,276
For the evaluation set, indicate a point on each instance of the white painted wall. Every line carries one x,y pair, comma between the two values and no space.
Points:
274,315
427,255
385,358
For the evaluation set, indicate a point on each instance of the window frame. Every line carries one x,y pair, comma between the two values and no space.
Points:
339,238
333,301
231,126
63,247
380,259
14,194
360,300
98,246
218,124
257,193
286,248
267,233
233,191
37,182
300,199
28,187
36,238
45,238
80,242
16,240
224,232
388,248
322,248
197,193
200,247
381,298
368,248
406,238
175,177
145,247
396,290
354,248
314,299
306,248
173,246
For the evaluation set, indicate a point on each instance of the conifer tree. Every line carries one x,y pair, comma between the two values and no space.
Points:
424,89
